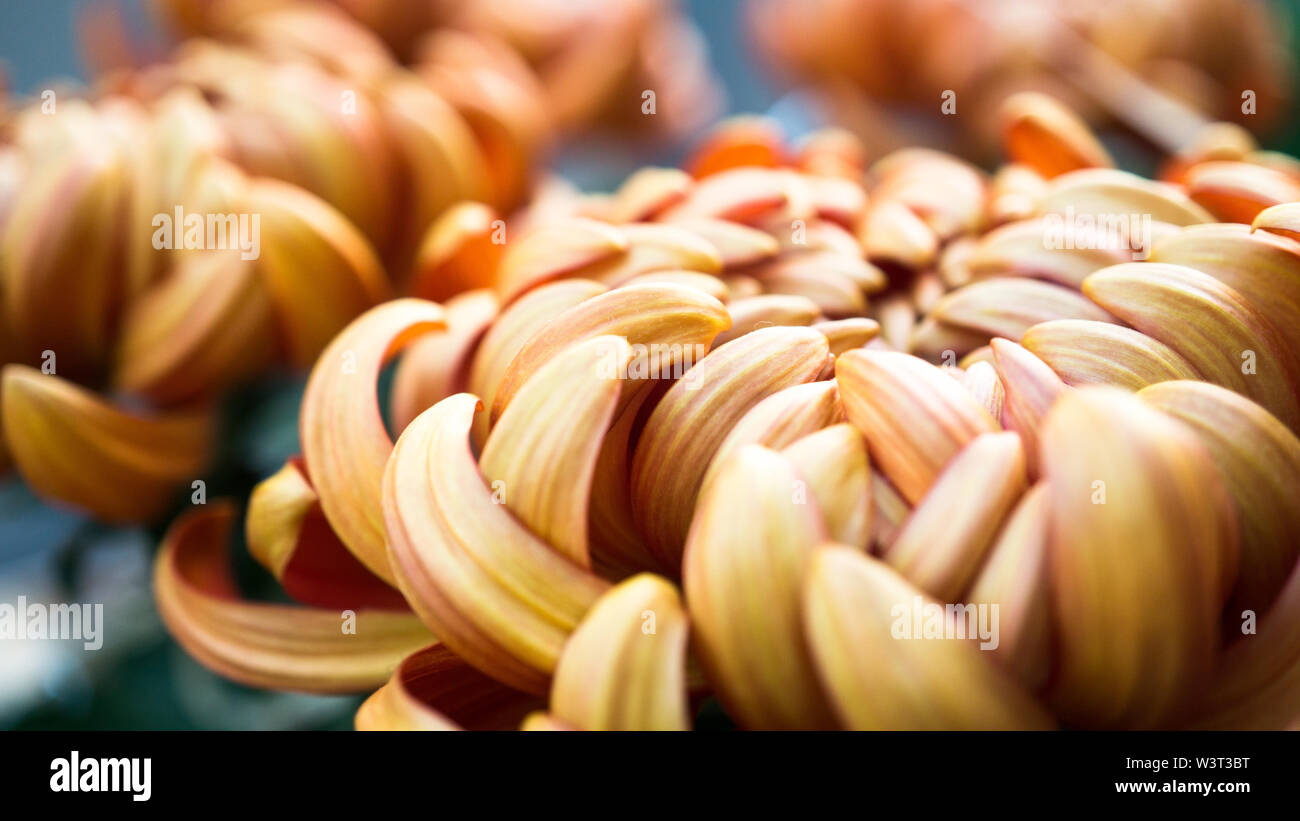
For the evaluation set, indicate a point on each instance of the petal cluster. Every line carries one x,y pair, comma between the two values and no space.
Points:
787,431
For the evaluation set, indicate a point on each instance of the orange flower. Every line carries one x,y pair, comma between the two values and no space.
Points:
653,461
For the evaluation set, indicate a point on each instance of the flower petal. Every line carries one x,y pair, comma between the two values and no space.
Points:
834,463
914,417
1141,533
573,247
457,253
890,232
1028,249
558,418
877,681
516,324
745,556
494,593
1031,390
943,543
288,535
320,269
624,667
1239,191
1262,267
1107,191
738,244
267,645
696,415
71,445
1008,306
1041,133
1085,352
201,330
649,191
764,310
433,689
438,365
1260,463
344,441
658,318
781,419
1213,326
1014,578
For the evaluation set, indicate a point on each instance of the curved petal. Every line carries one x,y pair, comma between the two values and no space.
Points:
1022,249
739,142
438,365
288,535
268,645
852,605
696,415
204,328
1084,352
576,247
890,232
738,194
516,324
1261,266
1094,191
320,269
981,380
457,253
745,557
433,689
739,244
1008,306
943,543
764,310
1239,191
498,596
1283,220
60,252
914,417
707,283
1014,578
1260,463
71,445
647,192
543,449
1213,326
344,441
653,246
1031,388
624,667
834,462
1138,517
1043,134
779,420
671,319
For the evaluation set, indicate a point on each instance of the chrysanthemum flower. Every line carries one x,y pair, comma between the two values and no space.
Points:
719,435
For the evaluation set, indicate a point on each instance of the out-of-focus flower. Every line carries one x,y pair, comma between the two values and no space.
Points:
678,447
194,220
591,63
936,71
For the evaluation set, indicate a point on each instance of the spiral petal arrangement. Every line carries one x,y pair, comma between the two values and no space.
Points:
778,432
